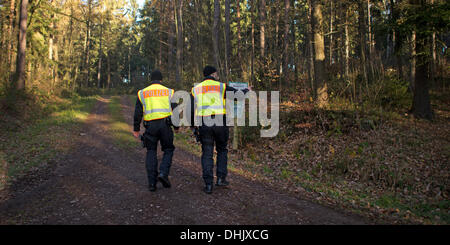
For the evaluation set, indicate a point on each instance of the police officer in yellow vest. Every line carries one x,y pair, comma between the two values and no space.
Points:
153,104
208,100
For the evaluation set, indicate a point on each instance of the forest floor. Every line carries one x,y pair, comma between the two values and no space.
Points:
381,164
384,165
95,174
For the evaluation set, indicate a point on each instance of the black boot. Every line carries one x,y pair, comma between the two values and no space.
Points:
152,187
222,182
164,180
208,188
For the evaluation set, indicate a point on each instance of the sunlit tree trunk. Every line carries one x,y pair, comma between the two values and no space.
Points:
86,69
238,50
252,79
319,55
10,34
413,61
129,66
262,14
20,75
347,46
100,53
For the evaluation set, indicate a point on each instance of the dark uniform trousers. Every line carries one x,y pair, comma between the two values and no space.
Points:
158,130
210,135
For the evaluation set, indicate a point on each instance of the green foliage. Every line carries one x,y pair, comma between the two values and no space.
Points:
65,93
391,93
427,18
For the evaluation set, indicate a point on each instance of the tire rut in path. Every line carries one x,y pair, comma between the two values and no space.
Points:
99,183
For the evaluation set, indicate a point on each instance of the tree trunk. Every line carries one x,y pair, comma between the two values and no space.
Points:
319,55
396,40
262,14
252,68
215,34
331,32
295,51
86,68
347,54
371,56
413,62
108,67
129,66
421,102
179,31
20,75
198,41
227,40
170,22
238,50
100,52
10,34
434,57
310,51
277,50
362,44
50,44
421,107
277,43
3,46
433,54
161,21
285,72
52,50
55,56
347,45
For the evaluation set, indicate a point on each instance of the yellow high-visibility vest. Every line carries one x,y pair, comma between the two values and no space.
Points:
155,100
209,98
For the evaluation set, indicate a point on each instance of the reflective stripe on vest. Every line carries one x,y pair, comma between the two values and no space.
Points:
209,98
155,100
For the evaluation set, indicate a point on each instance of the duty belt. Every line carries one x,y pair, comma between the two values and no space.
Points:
148,123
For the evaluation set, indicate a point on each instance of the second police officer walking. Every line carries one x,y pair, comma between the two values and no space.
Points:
208,99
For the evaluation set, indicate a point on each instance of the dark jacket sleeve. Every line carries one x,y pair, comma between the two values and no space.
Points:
138,114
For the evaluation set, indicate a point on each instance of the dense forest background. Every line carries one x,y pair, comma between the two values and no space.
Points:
357,50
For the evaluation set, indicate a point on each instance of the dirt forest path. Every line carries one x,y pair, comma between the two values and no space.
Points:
98,183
